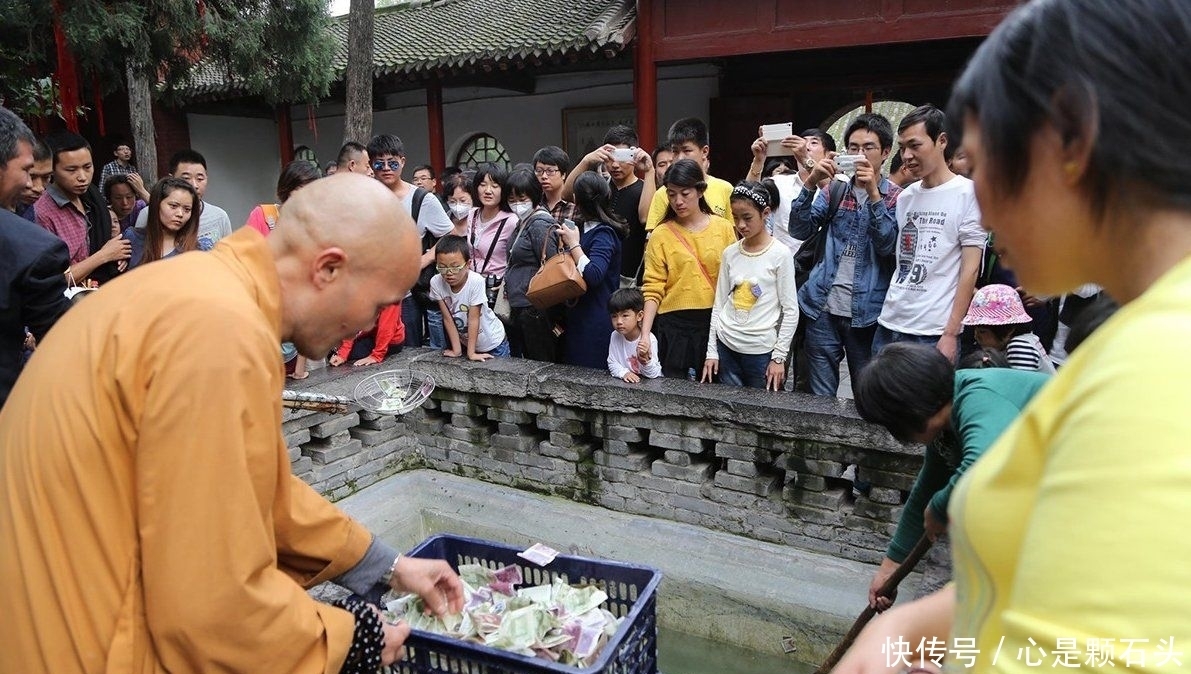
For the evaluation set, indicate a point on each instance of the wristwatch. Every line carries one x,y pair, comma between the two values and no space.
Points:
780,361
809,163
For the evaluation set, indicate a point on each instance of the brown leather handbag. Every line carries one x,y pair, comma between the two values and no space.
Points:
557,281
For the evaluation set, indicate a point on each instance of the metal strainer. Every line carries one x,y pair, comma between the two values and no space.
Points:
393,392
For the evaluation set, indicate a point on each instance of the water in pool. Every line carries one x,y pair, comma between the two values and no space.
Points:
680,653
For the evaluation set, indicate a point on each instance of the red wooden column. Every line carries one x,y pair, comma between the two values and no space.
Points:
285,134
645,78
438,142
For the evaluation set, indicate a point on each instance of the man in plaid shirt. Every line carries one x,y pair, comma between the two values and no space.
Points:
122,164
73,210
551,165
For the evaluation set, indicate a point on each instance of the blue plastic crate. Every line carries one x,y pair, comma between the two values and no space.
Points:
631,590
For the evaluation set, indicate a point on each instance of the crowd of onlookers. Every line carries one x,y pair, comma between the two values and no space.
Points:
817,256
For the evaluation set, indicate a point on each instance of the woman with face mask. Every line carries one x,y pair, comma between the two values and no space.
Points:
457,192
531,330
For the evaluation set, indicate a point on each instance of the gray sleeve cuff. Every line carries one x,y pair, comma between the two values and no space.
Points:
366,574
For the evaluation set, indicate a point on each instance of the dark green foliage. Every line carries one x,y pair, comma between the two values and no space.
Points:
279,50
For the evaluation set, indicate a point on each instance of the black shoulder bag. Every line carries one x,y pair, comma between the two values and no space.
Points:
812,250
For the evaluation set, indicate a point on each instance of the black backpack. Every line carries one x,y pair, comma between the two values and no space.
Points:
812,250
421,289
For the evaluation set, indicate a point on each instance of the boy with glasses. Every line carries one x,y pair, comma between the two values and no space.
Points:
469,322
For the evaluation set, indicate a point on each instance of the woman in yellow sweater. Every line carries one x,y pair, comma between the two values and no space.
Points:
682,262
1066,540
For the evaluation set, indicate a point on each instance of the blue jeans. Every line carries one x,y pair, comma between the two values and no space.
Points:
438,336
501,351
884,336
412,316
742,369
828,339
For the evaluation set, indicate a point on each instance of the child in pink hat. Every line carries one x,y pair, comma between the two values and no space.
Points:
1002,323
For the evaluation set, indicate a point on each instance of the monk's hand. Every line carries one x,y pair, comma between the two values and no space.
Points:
431,579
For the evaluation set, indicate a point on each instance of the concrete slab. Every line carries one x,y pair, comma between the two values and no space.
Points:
718,586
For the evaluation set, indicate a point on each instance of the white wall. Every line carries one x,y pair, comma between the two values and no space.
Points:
243,155
243,161
522,122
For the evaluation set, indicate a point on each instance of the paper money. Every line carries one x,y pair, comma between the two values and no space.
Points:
538,554
557,622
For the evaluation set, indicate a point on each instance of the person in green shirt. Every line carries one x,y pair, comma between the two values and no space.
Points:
913,391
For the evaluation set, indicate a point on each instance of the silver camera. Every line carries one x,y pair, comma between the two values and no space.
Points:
623,154
846,164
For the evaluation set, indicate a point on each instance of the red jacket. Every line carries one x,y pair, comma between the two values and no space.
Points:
389,330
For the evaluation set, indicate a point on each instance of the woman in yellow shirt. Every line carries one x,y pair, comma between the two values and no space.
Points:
1068,534
682,262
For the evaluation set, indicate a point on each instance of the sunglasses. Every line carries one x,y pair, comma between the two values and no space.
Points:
450,270
382,164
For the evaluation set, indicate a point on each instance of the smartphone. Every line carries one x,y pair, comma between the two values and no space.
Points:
623,154
569,224
846,163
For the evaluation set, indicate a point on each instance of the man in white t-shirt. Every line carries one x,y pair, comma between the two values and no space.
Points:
388,160
809,149
939,243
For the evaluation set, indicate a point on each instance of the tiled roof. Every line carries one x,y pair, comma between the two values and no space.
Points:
466,36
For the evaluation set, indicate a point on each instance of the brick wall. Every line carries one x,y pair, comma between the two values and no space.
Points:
752,463
173,134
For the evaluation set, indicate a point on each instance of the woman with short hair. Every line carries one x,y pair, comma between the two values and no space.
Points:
531,330
1074,120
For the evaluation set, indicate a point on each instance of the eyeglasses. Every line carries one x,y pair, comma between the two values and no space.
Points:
548,171
867,147
382,164
450,270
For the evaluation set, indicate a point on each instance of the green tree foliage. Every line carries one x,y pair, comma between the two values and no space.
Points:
279,50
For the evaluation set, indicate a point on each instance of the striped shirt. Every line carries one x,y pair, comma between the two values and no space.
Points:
1025,352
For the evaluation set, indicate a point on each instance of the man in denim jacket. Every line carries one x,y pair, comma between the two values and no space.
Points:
843,295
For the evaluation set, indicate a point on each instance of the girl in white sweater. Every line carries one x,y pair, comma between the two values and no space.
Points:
756,304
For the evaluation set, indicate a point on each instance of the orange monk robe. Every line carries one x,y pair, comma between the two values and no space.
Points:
149,521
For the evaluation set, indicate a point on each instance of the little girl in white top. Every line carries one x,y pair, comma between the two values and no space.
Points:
756,304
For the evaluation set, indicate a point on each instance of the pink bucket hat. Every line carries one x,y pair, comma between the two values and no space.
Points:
996,304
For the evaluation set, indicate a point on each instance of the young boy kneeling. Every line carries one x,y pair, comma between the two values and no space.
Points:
627,307
463,300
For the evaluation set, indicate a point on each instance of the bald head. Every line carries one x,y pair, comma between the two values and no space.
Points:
350,211
345,248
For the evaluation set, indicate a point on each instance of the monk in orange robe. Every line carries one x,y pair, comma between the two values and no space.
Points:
149,521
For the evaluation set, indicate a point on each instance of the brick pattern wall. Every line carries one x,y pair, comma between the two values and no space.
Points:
173,134
747,462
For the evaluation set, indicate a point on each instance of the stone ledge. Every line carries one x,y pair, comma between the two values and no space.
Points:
759,464
794,415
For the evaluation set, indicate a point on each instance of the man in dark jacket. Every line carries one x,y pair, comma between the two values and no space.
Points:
32,284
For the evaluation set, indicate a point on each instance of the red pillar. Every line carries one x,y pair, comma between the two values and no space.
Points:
285,134
66,74
438,142
645,78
